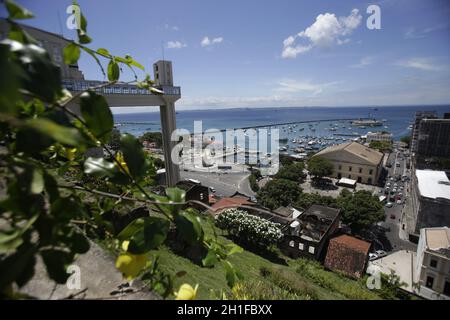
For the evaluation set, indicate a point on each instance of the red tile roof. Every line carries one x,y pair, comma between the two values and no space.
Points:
348,255
230,203
353,243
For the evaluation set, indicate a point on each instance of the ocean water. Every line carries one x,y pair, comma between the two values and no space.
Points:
397,119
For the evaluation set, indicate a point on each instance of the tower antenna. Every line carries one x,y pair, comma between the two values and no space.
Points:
60,24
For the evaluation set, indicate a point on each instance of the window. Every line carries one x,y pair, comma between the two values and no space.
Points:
340,167
311,249
360,170
433,263
369,181
301,246
291,243
350,169
359,179
447,288
371,171
429,283
349,176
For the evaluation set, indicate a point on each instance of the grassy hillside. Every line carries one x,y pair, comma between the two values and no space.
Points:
273,277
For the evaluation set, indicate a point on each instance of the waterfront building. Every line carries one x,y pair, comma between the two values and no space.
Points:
382,136
354,161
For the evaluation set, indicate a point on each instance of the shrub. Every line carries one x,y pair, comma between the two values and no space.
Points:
249,228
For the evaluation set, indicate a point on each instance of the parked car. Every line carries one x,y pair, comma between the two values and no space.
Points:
389,205
397,165
399,201
393,216
373,256
381,253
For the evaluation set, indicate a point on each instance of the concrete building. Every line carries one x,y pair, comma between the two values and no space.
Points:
433,138
119,94
309,237
415,130
382,136
432,268
354,161
430,199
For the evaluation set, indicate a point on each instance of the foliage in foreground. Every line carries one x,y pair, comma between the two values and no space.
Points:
49,203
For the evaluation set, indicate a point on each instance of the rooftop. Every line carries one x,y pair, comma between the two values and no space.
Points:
316,221
352,243
437,238
348,255
356,149
433,184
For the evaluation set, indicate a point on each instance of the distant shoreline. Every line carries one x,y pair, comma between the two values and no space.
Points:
216,108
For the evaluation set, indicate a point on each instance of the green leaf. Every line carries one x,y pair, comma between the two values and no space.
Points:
147,234
233,248
113,71
210,260
133,155
37,181
56,261
98,167
232,275
82,35
131,229
71,53
97,115
131,61
103,52
189,227
17,12
64,135
39,75
175,195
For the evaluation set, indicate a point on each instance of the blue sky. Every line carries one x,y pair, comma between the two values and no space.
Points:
275,53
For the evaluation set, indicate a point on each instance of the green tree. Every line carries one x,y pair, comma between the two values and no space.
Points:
155,137
381,145
305,200
320,167
114,139
407,140
278,192
360,209
293,172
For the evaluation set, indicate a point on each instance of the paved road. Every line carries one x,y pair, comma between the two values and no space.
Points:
393,241
225,184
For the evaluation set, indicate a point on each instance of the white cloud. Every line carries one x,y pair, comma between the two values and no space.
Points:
424,64
326,31
415,33
169,27
294,86
206,41
364,62
176,45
